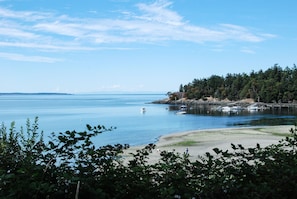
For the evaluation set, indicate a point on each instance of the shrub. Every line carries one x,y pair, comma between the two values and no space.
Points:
69,165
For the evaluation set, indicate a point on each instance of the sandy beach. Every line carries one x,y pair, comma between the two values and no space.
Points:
201,141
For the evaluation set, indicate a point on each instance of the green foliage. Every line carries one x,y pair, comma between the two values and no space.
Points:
273,85
69,165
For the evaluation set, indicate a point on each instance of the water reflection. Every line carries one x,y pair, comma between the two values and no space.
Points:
283,116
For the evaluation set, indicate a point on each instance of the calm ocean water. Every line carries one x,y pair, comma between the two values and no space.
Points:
58,113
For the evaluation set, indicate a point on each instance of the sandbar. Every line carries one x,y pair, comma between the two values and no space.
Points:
198,142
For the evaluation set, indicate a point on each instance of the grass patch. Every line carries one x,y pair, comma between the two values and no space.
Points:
289,134
185,143
282,134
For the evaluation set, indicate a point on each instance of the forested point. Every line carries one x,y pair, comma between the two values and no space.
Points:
275,85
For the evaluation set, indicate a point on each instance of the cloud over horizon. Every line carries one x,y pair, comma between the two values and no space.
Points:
150,24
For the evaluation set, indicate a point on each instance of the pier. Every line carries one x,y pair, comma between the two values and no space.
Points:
281,105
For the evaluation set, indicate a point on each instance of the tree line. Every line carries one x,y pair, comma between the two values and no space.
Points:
273,85
70,166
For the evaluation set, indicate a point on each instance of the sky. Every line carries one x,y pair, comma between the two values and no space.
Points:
90,46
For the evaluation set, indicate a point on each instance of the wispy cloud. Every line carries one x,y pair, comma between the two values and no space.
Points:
247,50
159,12
24,15
11,31
44,46
20,57
240,33
151,23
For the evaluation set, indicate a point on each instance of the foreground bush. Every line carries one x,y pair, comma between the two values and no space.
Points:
70,166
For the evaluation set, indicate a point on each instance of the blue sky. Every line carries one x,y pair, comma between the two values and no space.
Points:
139,46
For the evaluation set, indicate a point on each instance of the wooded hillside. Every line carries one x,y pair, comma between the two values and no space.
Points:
273,85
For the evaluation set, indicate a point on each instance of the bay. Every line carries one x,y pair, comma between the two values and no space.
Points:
58,113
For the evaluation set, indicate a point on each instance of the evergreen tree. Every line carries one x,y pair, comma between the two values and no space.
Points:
273,85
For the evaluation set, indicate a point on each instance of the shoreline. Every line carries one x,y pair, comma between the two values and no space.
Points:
215,103
198,142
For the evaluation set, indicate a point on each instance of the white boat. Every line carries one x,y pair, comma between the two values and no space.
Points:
182,110
226,109
253,108
236,108
142,110
231,109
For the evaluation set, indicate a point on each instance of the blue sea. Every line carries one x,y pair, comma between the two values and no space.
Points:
58,113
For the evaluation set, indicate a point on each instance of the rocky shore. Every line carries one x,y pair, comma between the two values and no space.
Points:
215,104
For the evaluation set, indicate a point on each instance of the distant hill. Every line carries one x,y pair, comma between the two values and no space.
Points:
43,93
